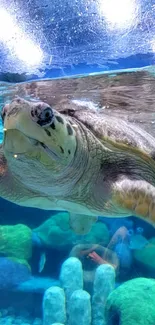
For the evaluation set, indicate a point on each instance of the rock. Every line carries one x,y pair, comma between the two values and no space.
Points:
36,241
4,312
37,321
79,308
54,309
132,303
2,321
71,276
24,313
57,233
145,257
12,273
37,284
104,284
11,310
8,320
22,320
18,320
99,233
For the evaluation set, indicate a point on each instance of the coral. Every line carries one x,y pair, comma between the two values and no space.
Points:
104,284
80,307
132,303
16,241
37,284
56,232
71,276
12,273
54,306
145,257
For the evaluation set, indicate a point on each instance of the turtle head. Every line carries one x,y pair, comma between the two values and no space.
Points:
36,130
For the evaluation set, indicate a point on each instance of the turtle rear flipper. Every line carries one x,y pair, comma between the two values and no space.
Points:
136,197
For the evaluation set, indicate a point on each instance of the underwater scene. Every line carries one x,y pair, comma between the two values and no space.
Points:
77,162
77,236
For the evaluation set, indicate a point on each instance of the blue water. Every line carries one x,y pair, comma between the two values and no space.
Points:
126,245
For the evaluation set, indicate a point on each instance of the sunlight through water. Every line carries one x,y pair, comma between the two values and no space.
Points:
17,42
119,14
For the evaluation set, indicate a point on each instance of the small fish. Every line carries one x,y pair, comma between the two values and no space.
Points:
138,242
42,262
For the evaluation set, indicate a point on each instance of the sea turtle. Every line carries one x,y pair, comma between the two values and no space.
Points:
76,159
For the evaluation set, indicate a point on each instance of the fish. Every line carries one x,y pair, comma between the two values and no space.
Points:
42,262
99,260
138,242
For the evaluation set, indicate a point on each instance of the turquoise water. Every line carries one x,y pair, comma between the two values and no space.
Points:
43,261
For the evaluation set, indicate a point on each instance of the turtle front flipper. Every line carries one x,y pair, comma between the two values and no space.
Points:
14,191
135,197
81,224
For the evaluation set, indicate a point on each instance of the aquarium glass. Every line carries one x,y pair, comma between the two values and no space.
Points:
77,162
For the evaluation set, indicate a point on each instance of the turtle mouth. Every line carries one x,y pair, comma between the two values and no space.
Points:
49,152
43,147
38,144
46,149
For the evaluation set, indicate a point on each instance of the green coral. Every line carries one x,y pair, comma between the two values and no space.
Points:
16,242
56,232
132,303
